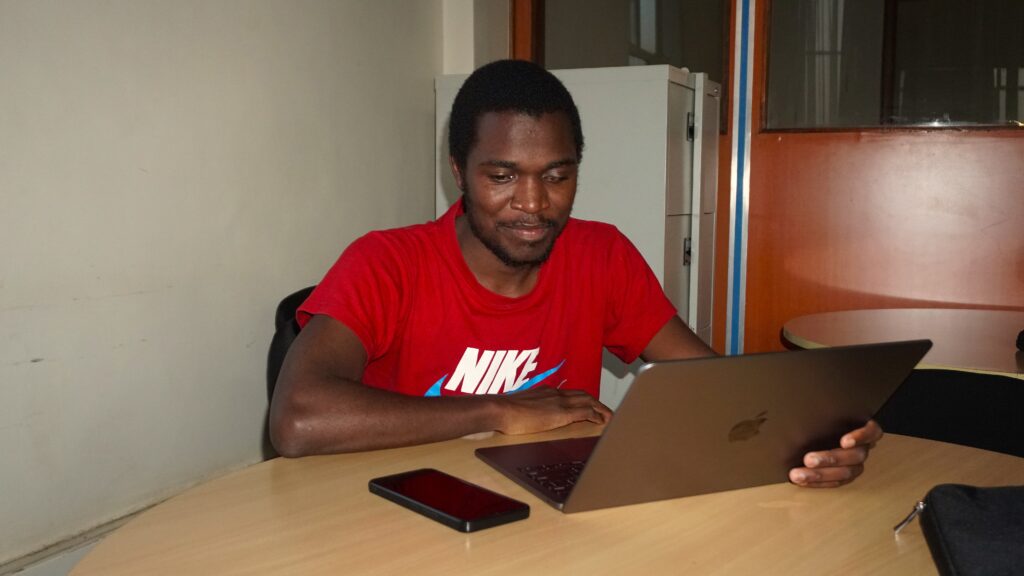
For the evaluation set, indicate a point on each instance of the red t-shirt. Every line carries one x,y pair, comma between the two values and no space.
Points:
429,328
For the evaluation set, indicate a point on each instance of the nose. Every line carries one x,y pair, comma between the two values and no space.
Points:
530,196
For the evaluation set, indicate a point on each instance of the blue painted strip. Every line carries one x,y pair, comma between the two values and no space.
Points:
741,135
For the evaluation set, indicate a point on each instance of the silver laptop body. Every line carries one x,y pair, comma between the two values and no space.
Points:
690,427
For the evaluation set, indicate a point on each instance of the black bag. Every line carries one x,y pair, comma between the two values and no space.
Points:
973,530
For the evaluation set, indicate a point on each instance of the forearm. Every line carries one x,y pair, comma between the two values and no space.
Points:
345,416
321,407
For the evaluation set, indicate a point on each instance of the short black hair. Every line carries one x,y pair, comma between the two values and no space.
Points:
507,86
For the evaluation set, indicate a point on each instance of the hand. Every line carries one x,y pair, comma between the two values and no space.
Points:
832,468
545,408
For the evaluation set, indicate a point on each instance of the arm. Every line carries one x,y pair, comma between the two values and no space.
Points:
320,405
825,469
675,341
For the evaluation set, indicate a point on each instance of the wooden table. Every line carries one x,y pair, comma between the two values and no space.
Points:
973,340
315,516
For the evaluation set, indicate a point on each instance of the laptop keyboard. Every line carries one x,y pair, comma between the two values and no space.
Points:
556,479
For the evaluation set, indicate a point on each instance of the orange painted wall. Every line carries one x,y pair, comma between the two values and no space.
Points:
871,219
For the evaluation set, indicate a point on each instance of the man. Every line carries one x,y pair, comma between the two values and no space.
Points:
494,316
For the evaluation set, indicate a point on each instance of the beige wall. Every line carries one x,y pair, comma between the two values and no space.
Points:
475,32
168,171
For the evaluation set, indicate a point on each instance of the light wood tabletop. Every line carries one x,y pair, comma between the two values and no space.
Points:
972,340
315,516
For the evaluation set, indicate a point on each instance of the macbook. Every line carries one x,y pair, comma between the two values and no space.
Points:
690,427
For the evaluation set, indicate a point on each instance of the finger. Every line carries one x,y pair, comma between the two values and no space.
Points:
824,477
599,413
604,411
594,411
837,457
602,415
596,417
822,484
583,414
865,435
581,398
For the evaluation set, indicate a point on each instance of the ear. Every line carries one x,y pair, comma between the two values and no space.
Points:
460,179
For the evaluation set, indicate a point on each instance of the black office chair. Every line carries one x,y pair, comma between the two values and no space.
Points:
967,408
286,329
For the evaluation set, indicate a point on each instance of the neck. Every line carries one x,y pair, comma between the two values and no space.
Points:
489,270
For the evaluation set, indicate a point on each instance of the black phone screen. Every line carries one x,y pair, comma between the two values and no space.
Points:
449,500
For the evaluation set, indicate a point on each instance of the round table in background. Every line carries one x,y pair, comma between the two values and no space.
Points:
972,340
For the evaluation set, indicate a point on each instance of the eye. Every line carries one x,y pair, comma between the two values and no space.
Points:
501,178
555,177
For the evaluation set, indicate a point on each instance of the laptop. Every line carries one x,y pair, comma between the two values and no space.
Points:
689,427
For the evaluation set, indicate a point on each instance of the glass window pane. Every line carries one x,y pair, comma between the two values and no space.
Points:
846,63
1020,95
649,25
823,64
634,26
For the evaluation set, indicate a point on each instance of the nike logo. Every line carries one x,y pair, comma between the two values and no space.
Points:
493,372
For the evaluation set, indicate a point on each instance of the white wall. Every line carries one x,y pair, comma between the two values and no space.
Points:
168,171
458,36
491,27
475,32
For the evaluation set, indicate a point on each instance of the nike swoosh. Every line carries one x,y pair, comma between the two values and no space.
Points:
435,390
536,379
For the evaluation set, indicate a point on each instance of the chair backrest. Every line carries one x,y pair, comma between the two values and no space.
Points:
285,332
967,408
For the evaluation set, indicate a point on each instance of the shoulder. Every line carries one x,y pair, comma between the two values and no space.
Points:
602,250
391,256
596,238
592,230
397,242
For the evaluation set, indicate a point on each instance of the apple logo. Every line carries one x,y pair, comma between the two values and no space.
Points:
747,429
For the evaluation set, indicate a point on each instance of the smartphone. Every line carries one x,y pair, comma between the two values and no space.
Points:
451,501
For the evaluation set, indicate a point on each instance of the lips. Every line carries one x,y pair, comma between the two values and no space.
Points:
529,232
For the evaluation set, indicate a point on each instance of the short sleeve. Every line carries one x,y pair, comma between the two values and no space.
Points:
638,307
362,290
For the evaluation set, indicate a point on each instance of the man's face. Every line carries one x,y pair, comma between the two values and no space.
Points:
519,184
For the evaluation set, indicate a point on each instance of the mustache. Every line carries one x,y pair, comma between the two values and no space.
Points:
538,222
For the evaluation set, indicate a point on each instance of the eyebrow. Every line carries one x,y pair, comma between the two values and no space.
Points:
512,165
563,162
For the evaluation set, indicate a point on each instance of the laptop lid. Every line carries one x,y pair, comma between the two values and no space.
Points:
690,427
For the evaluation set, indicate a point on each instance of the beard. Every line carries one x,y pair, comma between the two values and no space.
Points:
491,241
